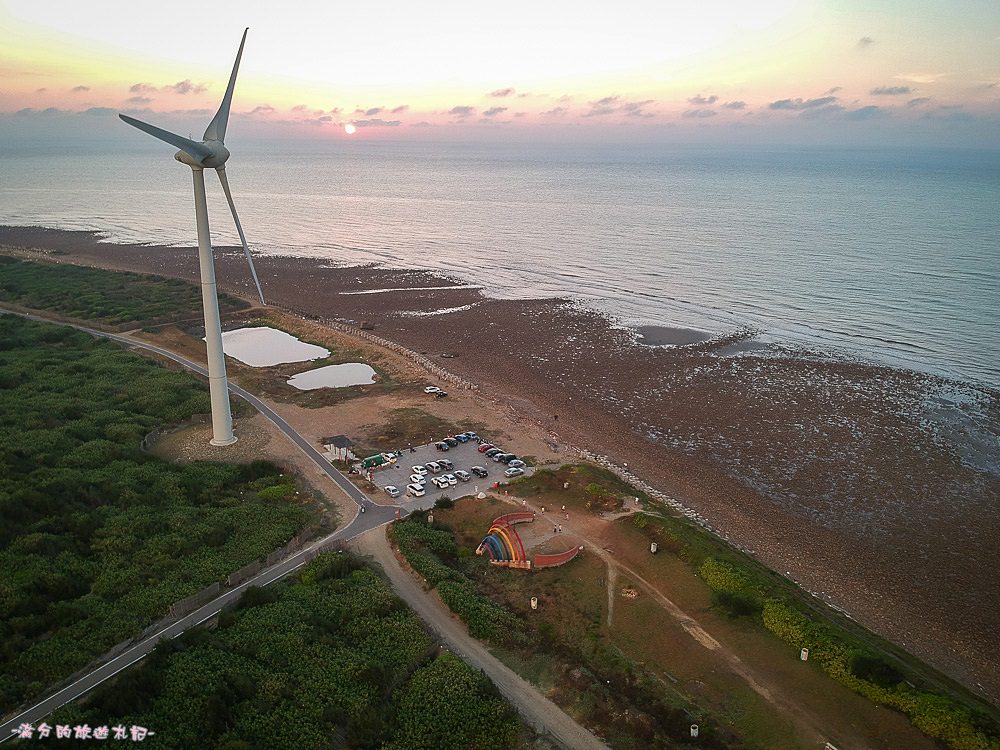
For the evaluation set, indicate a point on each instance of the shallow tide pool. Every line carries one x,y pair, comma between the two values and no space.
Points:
264,347
333,376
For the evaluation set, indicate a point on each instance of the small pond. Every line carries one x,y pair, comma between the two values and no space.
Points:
333,376
264,347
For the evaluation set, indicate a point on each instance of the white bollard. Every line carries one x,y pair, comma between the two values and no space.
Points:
694,730
534,602
652,547
804,654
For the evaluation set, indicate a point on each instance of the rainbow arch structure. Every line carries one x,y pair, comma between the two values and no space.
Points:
504,547
502,544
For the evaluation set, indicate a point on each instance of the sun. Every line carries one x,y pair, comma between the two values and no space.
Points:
350,129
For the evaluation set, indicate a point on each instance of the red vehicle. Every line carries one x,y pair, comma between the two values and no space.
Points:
483,447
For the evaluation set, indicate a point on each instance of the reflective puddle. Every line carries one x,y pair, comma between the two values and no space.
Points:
334,376
264,347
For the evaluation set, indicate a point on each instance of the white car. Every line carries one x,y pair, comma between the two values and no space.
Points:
392,490
440,482
418,478
434,467
517,464
450,479
432,389
415,490
421,470
515,472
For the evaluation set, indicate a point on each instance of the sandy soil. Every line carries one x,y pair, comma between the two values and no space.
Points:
876,487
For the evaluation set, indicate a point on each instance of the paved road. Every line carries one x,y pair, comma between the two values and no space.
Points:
534,707
525,698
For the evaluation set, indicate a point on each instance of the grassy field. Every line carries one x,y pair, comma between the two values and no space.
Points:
645,666
116,299
559,647
328,659
768,612
98,538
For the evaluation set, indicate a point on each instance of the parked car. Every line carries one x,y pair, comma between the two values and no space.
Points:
440,482
440,394
462,437
415,490
418,478
450,441
494,452
463,475
516,463
471,435
446,463
450,479
421,470
483,447
515,472
392,490
479,471
505,458
442,446
432,389
434,467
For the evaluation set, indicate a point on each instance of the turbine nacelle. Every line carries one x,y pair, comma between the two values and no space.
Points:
209,153
217,156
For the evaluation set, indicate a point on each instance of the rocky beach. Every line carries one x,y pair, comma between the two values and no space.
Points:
878,489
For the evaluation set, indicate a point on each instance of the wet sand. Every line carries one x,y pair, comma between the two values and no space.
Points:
667,336
848,476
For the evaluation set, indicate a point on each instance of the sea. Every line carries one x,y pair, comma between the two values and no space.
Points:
890,256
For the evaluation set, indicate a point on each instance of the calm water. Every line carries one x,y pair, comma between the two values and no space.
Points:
266,347
893,257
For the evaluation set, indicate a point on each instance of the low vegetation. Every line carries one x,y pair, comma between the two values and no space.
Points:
411,425
98,538
330,659
742,588
590,487
601,688
112,298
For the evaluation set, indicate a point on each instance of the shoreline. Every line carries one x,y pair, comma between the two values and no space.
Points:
822,468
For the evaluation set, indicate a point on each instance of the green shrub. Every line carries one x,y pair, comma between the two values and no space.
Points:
486,619
415,533
276,492
875,670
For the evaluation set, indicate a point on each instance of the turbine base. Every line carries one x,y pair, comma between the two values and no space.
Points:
223,443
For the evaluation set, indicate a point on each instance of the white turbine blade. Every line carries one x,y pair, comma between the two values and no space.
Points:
239,228
195,150
216,130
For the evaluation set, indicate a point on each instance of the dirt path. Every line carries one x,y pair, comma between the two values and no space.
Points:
537,710
612,585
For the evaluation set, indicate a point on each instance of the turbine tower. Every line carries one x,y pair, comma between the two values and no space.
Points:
210,152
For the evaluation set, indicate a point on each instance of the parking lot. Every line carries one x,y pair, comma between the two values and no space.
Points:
463,456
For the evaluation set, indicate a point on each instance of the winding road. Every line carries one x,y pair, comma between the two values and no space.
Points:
537,710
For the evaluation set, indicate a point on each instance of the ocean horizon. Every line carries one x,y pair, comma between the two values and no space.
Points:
887,256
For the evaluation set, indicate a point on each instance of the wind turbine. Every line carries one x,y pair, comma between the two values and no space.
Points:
210,152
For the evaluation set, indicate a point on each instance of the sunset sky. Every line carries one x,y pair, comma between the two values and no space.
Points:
924,71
